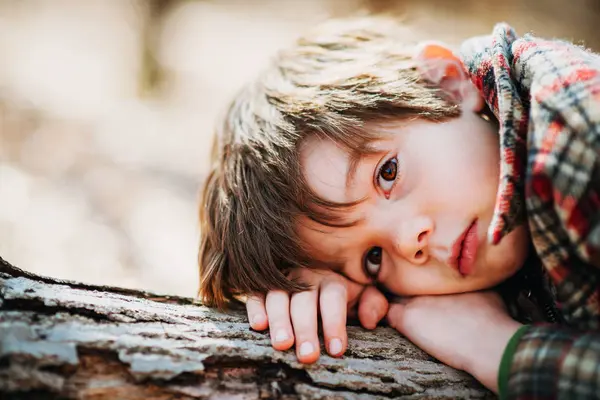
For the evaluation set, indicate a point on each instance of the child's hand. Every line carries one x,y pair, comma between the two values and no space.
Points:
294,318
466,331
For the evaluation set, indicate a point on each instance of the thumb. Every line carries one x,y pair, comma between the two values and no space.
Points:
372,307
395,316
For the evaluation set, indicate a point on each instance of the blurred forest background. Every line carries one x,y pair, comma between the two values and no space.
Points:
107,109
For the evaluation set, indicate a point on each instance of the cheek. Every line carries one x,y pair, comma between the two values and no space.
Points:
465,180
476,160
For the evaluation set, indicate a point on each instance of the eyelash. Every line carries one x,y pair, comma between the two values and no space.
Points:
367,261
380,169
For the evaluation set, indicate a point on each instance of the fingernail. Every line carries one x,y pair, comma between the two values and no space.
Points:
335,346
281,336
306,348
258,319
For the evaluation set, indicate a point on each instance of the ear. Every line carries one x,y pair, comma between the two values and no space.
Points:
440,66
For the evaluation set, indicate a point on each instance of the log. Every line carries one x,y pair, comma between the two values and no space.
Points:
61,339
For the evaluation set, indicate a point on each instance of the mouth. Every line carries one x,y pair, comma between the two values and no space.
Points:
464,250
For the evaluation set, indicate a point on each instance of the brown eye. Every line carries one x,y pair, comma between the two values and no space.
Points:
389,170
372,262
388,174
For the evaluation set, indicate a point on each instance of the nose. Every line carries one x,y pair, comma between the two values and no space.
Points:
413,239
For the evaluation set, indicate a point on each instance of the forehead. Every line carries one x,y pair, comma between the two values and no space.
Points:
324,164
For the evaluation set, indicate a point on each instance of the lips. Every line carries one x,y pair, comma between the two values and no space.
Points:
464,250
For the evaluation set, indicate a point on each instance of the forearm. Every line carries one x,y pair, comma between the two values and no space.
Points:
488,353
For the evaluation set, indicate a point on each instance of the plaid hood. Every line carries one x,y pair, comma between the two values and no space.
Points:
546,96
488,61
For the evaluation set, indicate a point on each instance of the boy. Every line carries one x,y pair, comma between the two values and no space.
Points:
356,165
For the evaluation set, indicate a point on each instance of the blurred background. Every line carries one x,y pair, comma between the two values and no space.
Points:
107,109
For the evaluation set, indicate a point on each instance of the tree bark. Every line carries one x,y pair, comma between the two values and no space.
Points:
62,339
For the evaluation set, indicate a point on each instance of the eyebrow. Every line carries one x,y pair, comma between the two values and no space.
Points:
353,160
356,156
339,268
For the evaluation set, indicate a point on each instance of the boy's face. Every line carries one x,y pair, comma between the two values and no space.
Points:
429,195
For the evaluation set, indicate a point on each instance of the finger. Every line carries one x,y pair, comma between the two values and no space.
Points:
395,316
332,303
372,307
257,314
402,300
278,313
304,319
354,290
351,313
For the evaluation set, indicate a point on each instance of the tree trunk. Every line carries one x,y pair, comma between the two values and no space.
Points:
63,339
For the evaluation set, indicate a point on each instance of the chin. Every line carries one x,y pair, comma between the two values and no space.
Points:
492,277
486,283
504,259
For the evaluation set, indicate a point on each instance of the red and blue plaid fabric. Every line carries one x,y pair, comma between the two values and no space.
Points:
546,96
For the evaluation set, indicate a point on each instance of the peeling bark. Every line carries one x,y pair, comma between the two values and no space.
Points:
62,339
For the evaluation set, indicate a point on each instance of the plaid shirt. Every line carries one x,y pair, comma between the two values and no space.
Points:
546,96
